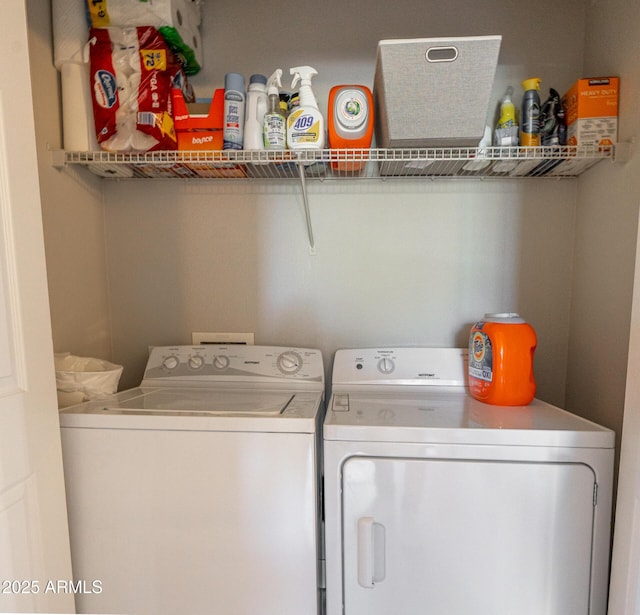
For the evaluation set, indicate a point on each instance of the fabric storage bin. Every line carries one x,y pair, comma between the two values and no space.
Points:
433,92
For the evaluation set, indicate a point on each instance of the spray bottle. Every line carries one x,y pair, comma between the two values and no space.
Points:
305,125
256,108
275,119
506,132
530,116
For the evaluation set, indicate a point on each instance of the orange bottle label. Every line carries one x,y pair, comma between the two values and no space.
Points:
480,361
501,363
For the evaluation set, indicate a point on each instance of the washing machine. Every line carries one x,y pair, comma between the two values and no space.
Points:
437,503
197,492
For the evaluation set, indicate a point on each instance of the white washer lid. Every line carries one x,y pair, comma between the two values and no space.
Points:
198,409
181,400
450,415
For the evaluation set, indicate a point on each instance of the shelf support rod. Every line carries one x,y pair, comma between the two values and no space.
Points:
307,212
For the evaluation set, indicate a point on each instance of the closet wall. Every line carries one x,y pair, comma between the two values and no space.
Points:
133,264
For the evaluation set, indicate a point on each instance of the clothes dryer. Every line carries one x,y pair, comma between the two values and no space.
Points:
197,492
437,503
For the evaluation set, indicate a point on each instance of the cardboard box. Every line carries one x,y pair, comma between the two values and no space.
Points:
197,130
592,112
433,92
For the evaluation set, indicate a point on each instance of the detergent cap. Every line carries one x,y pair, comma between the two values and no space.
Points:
504,317
257,82
303,75
274,82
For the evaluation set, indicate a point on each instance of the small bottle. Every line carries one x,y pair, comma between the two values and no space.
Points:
530,116
234,102
256,107
275,119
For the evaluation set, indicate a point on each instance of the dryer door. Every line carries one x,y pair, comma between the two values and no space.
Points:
453,537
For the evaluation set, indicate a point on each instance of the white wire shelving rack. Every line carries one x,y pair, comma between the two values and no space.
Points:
330,164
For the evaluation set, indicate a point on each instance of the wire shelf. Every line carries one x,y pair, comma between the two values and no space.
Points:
330,164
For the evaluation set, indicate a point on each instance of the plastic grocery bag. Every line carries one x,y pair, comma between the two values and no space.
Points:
81,379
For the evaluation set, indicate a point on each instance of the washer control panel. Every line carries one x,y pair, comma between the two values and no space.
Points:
218,362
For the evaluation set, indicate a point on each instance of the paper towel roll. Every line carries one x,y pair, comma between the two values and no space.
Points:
192,37
77,109
157,13
183,15
70,30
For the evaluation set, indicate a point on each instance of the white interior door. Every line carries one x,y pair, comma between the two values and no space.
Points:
35,567
453,537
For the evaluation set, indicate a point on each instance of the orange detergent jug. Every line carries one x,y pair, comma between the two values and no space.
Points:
501,348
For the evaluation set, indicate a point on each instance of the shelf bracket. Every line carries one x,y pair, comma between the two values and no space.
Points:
623,151
307,212
57,157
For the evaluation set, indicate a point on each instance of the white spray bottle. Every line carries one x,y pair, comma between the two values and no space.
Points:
305,125
275,120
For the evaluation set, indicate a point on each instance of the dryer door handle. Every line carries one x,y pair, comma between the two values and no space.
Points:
371,552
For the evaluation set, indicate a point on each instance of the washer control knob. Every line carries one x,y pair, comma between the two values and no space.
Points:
386,365
196,361
289,362
170,362
221,361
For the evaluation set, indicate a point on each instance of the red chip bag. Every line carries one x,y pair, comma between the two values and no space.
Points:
132,73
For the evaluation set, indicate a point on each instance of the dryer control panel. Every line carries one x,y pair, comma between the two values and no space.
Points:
400,366
214,363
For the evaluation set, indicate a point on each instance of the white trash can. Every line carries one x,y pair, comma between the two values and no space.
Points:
80,379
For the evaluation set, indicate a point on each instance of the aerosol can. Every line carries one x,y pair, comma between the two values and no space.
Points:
530,116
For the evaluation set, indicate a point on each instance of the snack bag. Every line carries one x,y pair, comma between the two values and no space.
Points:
132,73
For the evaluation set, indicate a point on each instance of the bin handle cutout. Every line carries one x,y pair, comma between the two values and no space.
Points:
442,54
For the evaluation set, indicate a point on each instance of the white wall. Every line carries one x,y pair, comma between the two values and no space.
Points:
606,318
72,212
397,262
606,231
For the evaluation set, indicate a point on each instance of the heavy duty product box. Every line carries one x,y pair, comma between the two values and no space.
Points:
434,92
592,112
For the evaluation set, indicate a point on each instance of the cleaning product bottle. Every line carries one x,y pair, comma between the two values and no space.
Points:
501,348
530,116
274,130
256,107
506,132
234,102
350,121
305,125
